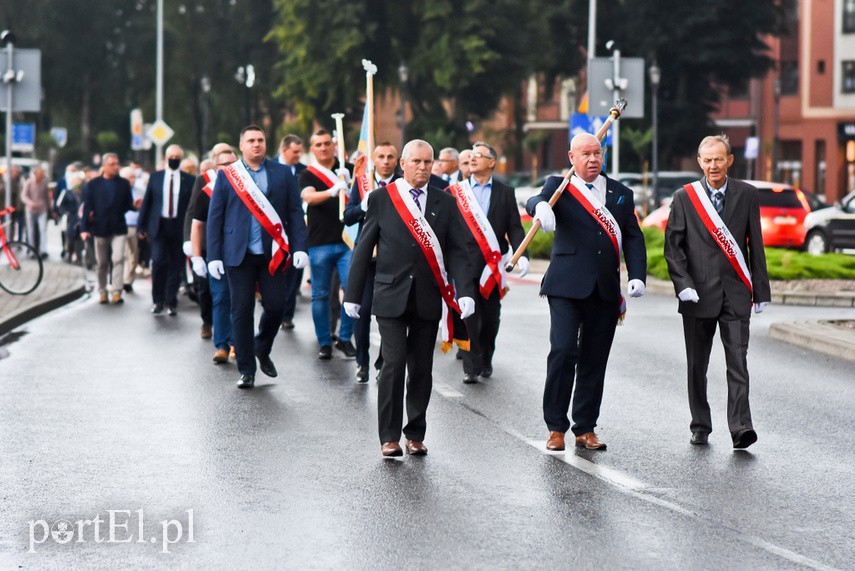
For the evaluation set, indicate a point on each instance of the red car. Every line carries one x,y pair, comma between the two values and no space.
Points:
782,214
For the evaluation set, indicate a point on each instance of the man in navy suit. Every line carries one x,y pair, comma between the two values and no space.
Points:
241,248
582,285
161,220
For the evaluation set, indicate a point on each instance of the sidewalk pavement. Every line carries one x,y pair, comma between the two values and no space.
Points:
63,283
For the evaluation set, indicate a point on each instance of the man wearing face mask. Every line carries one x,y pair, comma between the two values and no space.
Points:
161,221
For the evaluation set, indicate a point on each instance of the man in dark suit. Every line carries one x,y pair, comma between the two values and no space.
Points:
105,200
715,288
240,247
385,159
407,299
290,152
593,221
161,220
498,203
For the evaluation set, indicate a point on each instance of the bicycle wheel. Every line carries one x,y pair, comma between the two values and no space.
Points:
23,274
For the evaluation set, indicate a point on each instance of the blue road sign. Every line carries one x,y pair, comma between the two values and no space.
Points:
23,136
582,123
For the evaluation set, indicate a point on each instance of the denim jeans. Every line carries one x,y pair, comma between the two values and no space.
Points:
221,312
323,259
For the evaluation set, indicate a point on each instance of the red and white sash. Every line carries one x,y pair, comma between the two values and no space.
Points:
362,185
604,218
485,237
427,240
719,231
325,175
263,211
210,177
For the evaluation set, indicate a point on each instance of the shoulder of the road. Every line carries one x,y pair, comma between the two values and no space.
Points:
64,283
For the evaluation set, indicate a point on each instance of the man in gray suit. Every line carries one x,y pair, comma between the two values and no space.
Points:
714,250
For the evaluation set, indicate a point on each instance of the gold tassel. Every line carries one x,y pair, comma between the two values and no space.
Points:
463,344
445,347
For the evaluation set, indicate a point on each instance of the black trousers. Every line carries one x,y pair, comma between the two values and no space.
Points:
362,326
293,279
408,344
581,335
483,327
699,333
203,297
242,281
167,262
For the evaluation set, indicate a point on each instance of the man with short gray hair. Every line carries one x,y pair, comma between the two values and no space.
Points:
448,158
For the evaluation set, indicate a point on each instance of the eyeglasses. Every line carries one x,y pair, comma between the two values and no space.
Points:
479,155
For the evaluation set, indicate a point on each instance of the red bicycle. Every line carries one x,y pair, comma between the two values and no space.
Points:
21,268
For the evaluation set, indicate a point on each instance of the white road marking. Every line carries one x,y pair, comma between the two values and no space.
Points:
604,473
446,390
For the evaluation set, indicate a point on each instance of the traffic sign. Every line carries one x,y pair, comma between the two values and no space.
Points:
582,123
60,135
27,71
24,137
601,98
160,132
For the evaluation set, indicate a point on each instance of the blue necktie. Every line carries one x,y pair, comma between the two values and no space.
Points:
416,192
718,202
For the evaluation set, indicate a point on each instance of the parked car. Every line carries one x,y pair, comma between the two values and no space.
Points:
831,228
783,209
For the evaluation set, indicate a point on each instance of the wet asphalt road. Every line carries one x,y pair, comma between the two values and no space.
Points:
109,408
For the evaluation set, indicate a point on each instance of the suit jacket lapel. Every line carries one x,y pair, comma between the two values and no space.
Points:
431,206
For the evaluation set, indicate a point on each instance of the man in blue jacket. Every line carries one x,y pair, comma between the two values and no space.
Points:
246,233
594,222
105,199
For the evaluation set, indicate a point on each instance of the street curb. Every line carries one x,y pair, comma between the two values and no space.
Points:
36,310
819,336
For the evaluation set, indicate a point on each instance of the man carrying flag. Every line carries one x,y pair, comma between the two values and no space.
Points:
255,231
385,158
492,217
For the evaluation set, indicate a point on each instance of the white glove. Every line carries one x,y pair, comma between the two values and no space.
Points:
688,294
364,203
759,307
300,260
352,309
215,268
336,188
199,266
188,248
543,212
523,266
344,174
635,288
467,307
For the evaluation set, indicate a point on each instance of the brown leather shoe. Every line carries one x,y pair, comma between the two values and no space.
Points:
556,441
117,297
221,356
416,448
590,441
207,331
390,449
232,355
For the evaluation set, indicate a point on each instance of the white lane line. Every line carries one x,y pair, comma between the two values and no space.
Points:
609,475
446,390
636,489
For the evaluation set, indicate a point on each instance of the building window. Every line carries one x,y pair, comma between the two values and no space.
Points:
849,16
819,168
848,77
790,77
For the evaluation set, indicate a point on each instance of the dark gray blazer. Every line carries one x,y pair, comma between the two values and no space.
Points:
696,261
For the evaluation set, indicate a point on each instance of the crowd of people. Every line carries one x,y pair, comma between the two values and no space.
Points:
420,244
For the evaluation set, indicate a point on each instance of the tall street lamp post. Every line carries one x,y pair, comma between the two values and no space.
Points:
403,76
205,84
776,93
655,76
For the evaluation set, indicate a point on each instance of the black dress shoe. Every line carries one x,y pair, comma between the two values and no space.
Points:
744,438
470,378
325,352
172,311
246,382
266,365
157,309
699,438
362,374
128,288
346,347
287,325
487,371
